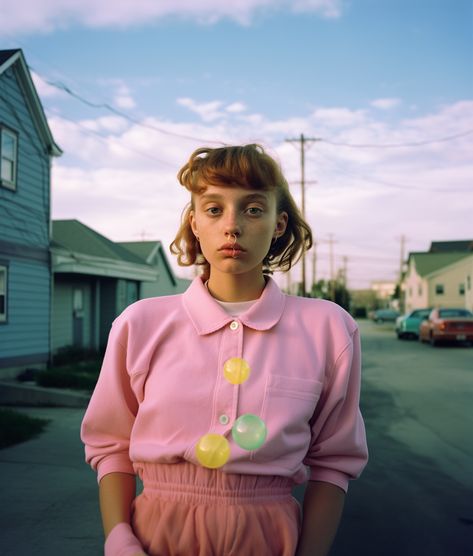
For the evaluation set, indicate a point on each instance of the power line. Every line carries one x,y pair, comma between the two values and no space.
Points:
399,145
341,170
84,129
104,105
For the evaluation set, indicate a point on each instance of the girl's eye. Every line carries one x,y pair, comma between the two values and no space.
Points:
213,211
254,211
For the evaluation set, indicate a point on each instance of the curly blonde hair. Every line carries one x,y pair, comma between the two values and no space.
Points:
250,167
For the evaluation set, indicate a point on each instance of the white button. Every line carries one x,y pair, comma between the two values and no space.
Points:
223,419
234,325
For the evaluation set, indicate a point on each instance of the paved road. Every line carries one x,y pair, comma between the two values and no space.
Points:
416,494
414,498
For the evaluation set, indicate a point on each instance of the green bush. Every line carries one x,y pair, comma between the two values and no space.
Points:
71,355
16,427
67,378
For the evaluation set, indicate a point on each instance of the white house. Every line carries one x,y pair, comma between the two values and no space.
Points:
438,280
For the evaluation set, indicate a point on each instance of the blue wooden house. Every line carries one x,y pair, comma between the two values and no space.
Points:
26,149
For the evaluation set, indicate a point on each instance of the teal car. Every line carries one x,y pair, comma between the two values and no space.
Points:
407,326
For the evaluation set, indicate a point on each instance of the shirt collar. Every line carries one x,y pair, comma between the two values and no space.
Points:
207,316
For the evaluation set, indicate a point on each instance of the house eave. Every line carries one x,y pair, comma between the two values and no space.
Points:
24,77
64,261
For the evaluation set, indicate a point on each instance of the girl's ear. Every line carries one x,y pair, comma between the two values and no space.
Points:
281,224
192,222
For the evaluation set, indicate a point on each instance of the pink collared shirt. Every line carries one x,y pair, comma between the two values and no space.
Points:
161,386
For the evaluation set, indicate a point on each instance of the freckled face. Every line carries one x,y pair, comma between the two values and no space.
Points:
235,227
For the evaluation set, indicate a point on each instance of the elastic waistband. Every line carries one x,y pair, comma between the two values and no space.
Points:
192,483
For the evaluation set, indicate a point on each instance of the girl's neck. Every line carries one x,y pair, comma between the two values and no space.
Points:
236,287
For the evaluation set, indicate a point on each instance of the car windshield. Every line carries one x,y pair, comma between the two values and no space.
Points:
448,313
421,314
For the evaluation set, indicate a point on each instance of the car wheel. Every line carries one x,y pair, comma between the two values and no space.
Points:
400,335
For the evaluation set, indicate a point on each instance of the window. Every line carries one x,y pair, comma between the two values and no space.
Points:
8,158
461,289
3,293
439,289
419,290
468,282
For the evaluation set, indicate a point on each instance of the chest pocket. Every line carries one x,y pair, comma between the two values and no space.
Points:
293,397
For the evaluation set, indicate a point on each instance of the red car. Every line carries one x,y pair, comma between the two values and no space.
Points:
447,324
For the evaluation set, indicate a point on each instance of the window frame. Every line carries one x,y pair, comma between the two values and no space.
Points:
7,184
439,289
4,314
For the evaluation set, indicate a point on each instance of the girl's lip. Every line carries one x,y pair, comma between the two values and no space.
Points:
231,247
230,251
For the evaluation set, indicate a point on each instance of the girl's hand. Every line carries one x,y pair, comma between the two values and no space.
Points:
122,542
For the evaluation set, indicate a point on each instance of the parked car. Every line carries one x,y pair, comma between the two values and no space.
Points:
407,326
384,315
447,324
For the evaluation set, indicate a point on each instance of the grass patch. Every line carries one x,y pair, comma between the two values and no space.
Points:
16,427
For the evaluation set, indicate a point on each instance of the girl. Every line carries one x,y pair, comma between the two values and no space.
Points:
223,398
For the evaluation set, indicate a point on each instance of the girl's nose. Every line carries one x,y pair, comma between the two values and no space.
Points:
232,225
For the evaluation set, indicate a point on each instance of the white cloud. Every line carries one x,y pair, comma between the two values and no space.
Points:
27,16
338,117
208,111
236,107
386,103
367,197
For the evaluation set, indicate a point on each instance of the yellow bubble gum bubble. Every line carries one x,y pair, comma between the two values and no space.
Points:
249,432
236,370
212,450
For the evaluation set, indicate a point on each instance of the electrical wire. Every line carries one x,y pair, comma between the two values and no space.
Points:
399,145
103,105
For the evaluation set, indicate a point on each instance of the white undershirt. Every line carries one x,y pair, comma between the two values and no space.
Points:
234,309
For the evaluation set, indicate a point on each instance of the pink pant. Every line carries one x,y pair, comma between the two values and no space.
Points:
187,510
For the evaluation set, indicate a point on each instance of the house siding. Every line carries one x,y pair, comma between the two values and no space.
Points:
24,234
416,289
450,278
26,331
24,212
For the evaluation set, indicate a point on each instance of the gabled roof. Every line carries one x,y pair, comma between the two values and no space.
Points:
77,237
143,249
426,263
146,251
451,246
15,58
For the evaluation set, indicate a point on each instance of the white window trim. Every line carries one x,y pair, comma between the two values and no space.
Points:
4,182
3,316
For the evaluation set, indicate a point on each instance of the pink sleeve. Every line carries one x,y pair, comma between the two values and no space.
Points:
338,450
109,418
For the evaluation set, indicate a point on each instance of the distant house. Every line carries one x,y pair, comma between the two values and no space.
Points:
437,279
26,149
94,280
153,253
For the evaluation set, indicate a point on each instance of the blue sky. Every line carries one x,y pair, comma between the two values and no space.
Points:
360,74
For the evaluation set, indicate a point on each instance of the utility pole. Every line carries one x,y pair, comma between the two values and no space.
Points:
331,241
314,263
401,269
345,270
302,140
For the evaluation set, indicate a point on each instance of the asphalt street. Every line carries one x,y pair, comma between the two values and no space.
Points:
414,498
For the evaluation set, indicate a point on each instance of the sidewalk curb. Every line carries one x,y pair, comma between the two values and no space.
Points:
13,393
